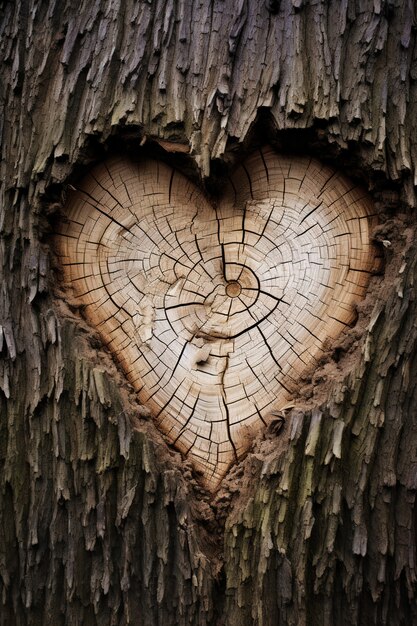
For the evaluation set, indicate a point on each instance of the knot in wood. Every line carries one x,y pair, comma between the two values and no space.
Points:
233,289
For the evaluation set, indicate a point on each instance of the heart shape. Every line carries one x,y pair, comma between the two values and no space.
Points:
215,311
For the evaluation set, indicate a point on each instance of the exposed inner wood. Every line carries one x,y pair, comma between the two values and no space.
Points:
215,311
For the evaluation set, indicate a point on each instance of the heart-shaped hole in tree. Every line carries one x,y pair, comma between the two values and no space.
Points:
215,311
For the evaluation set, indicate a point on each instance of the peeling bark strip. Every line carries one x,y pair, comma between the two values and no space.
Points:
92,530
215,313
328,536
98,525
202,70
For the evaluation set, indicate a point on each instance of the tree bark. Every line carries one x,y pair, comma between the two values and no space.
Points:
100,521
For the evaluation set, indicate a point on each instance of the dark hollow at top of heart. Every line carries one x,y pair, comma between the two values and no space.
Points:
214,312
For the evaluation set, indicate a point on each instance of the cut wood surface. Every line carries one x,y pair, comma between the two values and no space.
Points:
100,522
215,310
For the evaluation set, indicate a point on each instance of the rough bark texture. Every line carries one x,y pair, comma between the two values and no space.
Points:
98,524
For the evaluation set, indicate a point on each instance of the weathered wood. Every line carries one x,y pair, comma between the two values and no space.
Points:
215,312
101,525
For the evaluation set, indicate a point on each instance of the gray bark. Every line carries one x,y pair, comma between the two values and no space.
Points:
100,522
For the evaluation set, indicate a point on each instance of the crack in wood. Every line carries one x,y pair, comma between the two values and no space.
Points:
179,294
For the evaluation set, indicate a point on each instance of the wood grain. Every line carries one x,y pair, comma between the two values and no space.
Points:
215,310
92,528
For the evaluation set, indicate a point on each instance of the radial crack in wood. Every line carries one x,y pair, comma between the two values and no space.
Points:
214,313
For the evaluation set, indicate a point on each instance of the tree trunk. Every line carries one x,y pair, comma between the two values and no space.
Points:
101,520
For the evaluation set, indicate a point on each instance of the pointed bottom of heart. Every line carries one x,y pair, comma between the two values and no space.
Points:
218,437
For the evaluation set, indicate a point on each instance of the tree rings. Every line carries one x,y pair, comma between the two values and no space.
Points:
214,311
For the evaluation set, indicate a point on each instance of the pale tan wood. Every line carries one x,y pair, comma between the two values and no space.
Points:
214,312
